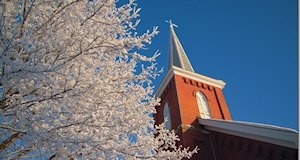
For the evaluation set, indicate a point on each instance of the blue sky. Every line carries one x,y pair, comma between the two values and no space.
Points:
252,45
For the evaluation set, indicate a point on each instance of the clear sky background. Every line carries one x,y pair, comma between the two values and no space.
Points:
249,44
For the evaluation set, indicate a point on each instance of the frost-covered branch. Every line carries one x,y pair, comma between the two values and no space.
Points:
74,85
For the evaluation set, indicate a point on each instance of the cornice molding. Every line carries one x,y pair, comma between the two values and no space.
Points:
190,75
199,77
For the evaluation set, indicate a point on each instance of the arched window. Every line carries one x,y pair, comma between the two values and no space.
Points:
167,116
203,106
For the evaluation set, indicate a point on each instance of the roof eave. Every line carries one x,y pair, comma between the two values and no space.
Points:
261,132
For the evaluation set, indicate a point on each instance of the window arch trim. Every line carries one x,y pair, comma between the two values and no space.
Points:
203,106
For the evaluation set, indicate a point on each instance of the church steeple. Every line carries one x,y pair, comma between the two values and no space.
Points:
188,95
194,106
177,56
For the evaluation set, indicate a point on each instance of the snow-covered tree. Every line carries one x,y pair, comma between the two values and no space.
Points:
73,85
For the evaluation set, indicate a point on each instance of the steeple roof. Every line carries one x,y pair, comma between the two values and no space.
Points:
177,55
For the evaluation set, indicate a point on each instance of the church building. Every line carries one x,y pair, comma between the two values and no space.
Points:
195,107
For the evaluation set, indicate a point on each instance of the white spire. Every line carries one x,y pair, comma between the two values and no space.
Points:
177,56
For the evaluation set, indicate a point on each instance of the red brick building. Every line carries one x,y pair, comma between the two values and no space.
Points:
194,106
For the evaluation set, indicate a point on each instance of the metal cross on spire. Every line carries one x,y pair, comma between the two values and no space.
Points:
171,23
